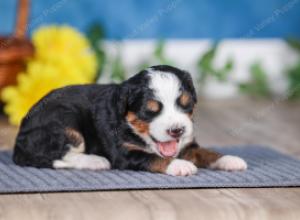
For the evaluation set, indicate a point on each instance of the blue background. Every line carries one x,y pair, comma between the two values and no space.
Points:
159,19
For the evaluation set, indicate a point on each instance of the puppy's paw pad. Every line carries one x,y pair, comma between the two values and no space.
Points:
180,167
229,163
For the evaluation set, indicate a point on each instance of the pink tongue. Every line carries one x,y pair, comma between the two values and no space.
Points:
167,149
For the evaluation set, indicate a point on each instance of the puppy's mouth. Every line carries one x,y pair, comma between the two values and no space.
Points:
168,148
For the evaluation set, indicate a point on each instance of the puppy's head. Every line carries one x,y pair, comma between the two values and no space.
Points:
160,104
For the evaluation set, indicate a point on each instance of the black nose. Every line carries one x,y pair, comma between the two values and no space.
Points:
176,132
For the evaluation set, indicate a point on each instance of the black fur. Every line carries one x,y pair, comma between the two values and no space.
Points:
98,113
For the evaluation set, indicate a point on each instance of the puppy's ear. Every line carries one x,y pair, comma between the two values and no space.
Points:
189,85
132,91
122,98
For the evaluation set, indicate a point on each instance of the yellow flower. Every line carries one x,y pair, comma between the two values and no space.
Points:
66,47
63,56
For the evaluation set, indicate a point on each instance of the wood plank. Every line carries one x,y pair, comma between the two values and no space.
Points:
156,204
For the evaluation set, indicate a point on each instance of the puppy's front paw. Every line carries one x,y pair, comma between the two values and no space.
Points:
229,163
180,167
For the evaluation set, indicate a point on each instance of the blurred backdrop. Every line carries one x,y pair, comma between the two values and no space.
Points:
177,19
232,48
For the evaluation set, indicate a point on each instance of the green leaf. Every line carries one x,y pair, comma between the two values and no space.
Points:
294,43
159,49
293,73
159,55
258,84
205,62
294,81
206,69
118,73
95,35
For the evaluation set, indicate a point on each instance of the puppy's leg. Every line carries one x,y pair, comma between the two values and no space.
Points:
202,157
82,161
76,158
141,160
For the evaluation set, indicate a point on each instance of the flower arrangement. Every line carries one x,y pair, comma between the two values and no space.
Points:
63,56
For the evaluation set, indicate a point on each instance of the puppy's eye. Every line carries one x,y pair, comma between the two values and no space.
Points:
153,106
184,99
185,102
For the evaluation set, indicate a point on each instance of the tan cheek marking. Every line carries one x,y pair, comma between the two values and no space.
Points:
184,99
140,125
153,105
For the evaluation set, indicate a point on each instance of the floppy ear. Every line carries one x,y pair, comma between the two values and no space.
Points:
130,90
190,85
126,96
122,98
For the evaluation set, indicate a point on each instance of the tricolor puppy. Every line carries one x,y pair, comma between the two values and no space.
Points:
145,123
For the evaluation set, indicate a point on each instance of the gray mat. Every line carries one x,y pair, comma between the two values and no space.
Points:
266,168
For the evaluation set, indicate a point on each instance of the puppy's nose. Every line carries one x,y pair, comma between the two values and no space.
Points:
176,132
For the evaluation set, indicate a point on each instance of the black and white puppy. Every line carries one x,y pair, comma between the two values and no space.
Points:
145,123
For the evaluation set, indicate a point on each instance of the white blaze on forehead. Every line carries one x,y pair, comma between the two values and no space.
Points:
166,86
166,89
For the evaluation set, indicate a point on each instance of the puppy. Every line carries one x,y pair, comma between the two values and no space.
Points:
144,123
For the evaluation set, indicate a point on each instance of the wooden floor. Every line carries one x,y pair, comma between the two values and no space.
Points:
275,124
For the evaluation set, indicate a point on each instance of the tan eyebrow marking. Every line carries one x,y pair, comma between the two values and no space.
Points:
153,105
184,99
